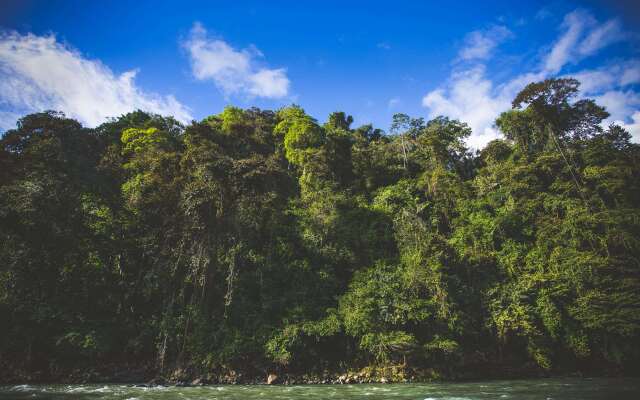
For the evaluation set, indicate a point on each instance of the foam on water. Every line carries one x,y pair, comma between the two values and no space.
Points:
22,388
555,389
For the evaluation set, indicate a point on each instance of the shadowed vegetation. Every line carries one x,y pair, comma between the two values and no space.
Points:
256,241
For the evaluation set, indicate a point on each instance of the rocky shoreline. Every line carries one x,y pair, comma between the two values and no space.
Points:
146,376
141,378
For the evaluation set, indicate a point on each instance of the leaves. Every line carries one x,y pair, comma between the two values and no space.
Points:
255,239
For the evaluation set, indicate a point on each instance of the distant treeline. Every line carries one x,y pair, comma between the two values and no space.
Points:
256,241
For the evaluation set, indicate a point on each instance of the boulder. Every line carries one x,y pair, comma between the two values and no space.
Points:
199,381
271,379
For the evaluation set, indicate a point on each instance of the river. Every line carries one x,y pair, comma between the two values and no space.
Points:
540,389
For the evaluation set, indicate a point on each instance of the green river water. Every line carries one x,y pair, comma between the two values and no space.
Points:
544,389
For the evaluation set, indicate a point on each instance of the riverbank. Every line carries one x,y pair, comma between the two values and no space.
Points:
146,375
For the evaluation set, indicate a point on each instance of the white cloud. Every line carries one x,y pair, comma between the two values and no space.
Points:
621,104
604,35
393,103
609,87
233,71
633,127
480,44
631,73
610,76
272,83
473,98
594,81
574,25
582,37
39,73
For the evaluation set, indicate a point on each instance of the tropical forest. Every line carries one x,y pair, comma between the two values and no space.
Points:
256,243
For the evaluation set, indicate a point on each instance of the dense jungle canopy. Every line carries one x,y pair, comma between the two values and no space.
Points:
256,241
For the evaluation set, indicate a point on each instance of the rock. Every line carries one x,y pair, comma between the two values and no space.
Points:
383,380
182,384
158,380
199,382
179,375
271,379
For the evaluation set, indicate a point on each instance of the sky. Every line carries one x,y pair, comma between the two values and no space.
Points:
189,59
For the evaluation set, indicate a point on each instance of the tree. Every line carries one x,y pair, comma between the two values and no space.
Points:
255,241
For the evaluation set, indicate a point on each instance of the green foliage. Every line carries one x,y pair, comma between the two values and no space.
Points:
135,140
257,240
302,135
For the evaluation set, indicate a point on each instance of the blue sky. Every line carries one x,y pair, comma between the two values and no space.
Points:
370,59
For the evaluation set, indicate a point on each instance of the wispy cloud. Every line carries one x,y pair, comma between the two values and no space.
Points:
393,103
480,44
604,35
469,95
39,73
573,25
234,72
612,75
582,37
